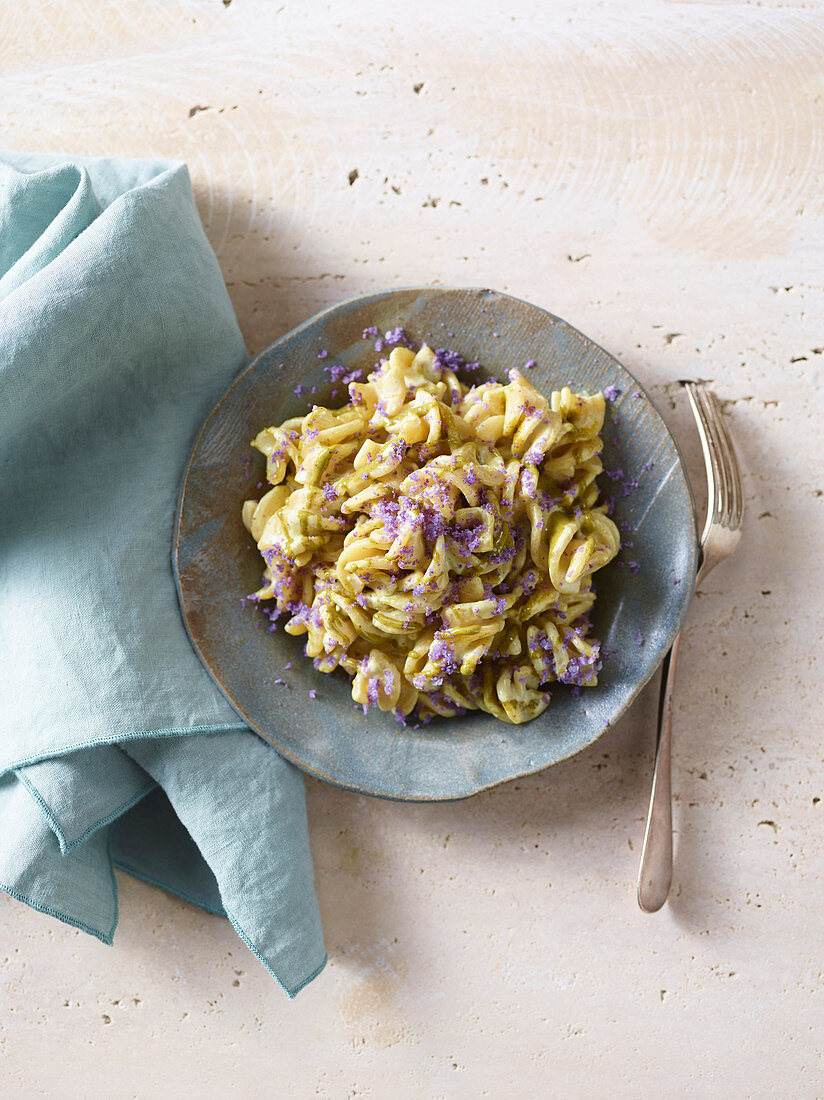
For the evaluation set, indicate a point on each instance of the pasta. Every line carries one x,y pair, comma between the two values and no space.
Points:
437,540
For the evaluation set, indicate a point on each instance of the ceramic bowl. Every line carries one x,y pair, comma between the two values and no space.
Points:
641,597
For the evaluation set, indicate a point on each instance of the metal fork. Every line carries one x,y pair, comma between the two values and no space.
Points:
722,531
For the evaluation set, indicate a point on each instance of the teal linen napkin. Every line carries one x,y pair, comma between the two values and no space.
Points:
116,750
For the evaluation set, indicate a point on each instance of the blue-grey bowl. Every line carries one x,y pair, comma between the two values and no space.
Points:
642,596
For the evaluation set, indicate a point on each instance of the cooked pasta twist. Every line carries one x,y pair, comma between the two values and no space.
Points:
437,540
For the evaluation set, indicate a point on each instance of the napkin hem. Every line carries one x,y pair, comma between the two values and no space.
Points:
302,985
292,991
129,870
64,917
52,754
67,845
49,911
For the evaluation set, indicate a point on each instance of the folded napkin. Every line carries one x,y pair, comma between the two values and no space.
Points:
116,749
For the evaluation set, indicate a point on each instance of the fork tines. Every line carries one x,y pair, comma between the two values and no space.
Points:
726,492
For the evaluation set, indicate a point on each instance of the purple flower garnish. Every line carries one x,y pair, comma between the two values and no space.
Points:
396,336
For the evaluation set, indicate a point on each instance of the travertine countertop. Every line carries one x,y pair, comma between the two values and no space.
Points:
651,172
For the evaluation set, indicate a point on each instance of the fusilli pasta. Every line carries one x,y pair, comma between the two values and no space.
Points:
437,540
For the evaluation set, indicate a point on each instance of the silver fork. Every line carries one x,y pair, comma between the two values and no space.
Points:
722,531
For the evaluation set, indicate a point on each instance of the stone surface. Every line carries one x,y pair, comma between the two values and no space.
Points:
652,173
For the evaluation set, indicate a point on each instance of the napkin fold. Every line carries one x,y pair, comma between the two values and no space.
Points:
116,749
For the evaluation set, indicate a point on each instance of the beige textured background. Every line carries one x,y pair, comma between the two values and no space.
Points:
653,173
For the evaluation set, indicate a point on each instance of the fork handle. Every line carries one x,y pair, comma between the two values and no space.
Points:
655,872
